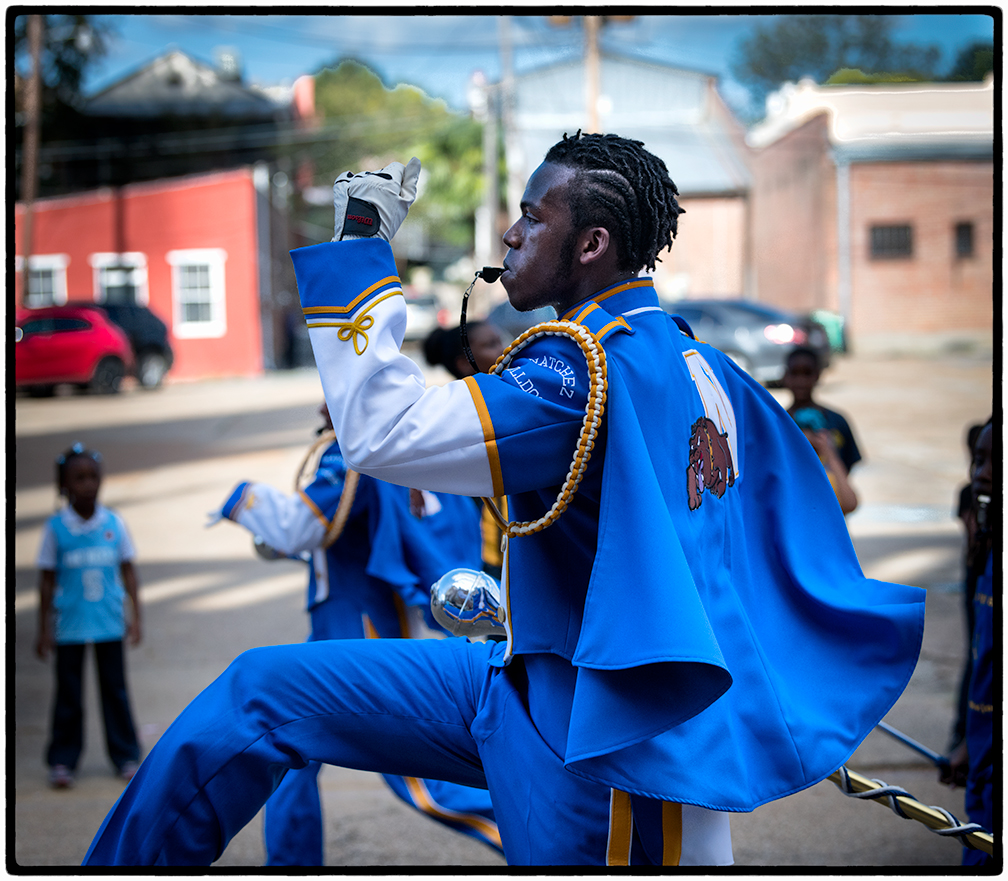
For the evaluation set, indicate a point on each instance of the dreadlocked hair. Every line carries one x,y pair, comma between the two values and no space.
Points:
621,186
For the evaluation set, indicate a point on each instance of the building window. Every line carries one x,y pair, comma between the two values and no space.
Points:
889,242
198,293
120,278
47,279
964,239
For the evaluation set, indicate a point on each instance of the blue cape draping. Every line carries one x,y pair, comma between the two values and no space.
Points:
734,667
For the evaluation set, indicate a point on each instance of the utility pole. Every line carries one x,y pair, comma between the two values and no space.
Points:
514,157
30,146
491,198
482,97
592,23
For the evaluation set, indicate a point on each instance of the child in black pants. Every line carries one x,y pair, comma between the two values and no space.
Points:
85,573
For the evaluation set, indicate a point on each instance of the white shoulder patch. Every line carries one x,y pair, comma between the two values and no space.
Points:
717,404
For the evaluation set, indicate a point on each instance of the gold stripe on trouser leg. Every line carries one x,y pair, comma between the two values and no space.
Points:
620,829
401,614
671,833
371,632
423,801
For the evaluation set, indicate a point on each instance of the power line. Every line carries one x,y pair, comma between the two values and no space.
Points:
243,136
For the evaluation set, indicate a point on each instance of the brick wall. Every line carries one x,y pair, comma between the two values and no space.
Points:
933,293
708,255
933,290
794,221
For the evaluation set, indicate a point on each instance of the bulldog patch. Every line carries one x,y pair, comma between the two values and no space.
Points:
710,462
713,447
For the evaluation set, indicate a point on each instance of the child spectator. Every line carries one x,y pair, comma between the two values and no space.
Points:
827,431
85,571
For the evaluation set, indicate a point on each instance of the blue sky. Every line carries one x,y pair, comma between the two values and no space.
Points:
439,52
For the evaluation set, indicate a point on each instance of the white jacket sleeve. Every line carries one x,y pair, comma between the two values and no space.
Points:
389,424
285,522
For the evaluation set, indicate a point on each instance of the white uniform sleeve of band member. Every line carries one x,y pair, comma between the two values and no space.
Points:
389,424
287,523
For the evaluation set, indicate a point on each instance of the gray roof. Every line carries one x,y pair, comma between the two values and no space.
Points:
667,108
175,84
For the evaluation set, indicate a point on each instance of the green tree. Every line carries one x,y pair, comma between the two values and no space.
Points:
369,125
70,45
816,46
453,158
973,63
848,76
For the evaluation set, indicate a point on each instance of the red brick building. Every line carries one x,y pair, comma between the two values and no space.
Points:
877,202
188,248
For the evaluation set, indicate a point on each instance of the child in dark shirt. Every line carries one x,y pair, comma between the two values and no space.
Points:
827,430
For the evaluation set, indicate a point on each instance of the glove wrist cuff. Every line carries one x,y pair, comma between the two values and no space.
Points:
362,219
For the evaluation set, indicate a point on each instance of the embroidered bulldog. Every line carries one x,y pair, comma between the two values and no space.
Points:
710,462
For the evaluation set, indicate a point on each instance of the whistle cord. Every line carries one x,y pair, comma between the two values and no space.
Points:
489,274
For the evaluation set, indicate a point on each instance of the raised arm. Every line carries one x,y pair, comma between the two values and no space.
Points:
389,424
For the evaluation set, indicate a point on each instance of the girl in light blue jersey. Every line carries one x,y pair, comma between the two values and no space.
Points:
86,570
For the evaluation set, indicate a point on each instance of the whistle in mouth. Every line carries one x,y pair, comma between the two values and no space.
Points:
490,274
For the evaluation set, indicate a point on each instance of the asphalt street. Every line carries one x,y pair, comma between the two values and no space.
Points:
174,455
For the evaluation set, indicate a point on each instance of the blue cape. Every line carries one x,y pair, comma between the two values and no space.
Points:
731,651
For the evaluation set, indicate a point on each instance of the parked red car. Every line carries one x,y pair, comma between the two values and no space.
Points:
76,344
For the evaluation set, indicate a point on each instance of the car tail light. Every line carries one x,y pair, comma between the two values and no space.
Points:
445,317
782,334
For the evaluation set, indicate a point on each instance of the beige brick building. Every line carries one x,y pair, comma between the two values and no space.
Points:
877,202
874,202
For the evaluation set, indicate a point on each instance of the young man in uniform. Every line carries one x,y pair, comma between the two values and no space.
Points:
688,632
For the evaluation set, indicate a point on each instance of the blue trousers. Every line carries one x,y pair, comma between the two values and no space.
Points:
980,809
293,826
293,829
432,709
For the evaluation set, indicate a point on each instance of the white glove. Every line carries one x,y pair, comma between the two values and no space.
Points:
374,203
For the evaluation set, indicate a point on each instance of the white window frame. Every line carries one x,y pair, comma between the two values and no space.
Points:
136,260
213,259
58,263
